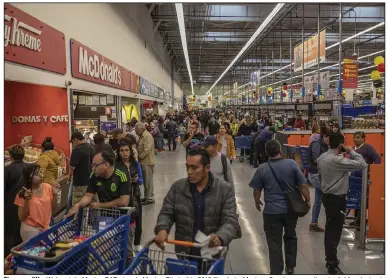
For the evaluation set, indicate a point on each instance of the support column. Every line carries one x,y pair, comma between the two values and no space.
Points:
318,54
340,85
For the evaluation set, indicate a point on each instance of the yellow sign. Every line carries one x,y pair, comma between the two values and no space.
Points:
131,112
310,52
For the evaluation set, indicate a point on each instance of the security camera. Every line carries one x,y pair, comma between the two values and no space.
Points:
68,83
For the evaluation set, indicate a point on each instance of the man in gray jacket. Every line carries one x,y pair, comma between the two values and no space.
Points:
200,202
334,171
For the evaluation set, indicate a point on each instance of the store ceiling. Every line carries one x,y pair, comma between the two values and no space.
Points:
217,32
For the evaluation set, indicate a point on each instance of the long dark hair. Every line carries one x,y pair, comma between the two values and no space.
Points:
28,173
122,143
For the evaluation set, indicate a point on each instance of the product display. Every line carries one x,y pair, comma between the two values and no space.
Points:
32,153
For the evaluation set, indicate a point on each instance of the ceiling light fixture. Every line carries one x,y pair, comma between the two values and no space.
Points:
357,35
264,24
181,25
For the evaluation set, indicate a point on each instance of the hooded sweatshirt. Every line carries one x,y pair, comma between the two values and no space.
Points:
49,162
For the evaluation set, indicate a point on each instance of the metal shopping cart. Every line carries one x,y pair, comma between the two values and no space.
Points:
104,252
151,261
243,143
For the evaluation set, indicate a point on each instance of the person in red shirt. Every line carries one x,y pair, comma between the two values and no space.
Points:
299,122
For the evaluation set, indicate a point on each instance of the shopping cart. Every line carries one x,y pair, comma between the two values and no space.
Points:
104,252
354,193
152,261
243,143
304,155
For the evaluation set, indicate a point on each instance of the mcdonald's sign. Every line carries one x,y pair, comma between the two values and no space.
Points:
131,112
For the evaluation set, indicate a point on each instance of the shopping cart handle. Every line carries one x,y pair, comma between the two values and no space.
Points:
129,209
184,243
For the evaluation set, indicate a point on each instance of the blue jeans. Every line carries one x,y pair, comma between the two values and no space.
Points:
315,181
160,141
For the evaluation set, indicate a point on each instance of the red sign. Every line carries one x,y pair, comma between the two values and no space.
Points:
350,73
89,65
29,41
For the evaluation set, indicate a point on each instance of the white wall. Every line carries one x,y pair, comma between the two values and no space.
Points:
117,31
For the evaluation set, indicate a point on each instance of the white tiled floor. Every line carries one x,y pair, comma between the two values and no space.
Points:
249,255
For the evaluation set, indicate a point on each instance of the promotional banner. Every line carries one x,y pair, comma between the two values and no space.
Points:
310,52
350,73
235,88
29,41
310,81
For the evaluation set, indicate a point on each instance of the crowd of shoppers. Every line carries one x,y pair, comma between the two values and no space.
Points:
111,175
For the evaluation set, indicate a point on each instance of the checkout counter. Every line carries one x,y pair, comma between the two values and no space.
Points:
374,137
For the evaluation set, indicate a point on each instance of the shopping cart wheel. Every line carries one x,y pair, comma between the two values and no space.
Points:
241,160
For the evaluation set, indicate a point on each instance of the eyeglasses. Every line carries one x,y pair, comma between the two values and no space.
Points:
94,166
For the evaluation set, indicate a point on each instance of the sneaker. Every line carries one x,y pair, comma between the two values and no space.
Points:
315,228
334,270
289,270
148,202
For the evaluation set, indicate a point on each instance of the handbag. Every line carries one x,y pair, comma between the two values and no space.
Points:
296,201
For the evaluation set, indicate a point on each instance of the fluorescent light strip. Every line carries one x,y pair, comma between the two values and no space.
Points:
238,88
251,40
375,53
181,25
357,35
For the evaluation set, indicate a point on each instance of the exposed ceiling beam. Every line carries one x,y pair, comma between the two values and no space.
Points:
157,25
151,8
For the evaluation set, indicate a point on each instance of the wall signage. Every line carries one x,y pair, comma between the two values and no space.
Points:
29,41
40,119
89,65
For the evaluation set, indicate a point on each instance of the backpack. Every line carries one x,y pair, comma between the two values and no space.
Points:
224,164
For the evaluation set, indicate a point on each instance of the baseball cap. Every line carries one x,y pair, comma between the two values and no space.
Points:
209,141
76,135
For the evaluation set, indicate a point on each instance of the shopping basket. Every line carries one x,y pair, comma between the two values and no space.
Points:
105,252
152,261
243,143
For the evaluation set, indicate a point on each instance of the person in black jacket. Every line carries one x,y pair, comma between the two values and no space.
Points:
13,177
100,145
125,161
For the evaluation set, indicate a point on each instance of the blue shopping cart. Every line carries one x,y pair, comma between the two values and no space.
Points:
104,252
354,193
153,261
243,143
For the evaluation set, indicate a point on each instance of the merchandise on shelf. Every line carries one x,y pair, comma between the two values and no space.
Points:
32,153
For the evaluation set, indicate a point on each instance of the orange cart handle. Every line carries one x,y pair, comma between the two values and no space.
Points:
182,243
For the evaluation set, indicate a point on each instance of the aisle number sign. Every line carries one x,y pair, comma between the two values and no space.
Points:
350,73
310,52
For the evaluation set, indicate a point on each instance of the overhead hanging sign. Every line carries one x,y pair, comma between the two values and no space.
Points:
310,81
310,52
350,73
89,65
29,41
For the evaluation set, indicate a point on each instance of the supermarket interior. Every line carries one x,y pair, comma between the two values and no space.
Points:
154,74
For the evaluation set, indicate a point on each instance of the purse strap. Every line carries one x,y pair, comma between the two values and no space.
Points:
275,176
